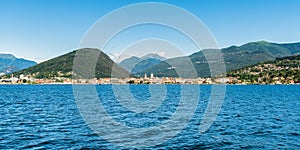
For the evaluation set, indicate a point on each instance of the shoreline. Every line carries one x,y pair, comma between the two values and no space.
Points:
134,84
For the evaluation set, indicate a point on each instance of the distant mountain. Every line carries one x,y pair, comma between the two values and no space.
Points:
281,70
62,66
129,63
136,65
144,64
293,47
153,56
9,63
234,57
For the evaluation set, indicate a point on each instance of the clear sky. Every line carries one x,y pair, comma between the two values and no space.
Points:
42,29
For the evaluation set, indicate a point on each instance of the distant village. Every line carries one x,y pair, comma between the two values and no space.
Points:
151,79
266,74
27,79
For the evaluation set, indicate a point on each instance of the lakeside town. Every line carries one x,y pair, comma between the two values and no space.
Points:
151,79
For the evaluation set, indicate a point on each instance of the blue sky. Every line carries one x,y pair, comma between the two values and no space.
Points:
39,30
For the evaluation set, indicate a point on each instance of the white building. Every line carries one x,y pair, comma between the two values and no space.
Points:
152,76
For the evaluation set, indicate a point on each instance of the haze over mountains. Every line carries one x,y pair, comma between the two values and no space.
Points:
139,64
234,57
9,63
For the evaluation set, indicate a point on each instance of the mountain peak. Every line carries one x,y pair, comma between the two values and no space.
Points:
154,55
262,42
7,56
136,64
134,57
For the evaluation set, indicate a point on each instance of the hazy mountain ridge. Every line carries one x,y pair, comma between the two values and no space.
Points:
135,64
9,63
153,56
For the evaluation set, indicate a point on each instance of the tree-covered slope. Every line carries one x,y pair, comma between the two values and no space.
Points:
62,66
280,70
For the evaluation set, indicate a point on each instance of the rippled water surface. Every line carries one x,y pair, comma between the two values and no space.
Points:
46,116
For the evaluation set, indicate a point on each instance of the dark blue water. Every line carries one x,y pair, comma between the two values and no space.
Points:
46,116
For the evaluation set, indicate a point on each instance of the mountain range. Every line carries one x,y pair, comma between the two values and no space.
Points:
234,57
9,63
136,64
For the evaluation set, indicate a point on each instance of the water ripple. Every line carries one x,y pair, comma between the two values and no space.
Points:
252,117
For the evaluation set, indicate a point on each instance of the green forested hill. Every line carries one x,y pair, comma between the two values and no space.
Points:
62,66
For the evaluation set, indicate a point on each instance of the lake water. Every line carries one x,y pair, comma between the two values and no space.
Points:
252,116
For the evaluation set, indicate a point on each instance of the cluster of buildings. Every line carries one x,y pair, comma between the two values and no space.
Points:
151,80
266,74
17,80
23,79
155,80
27,79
